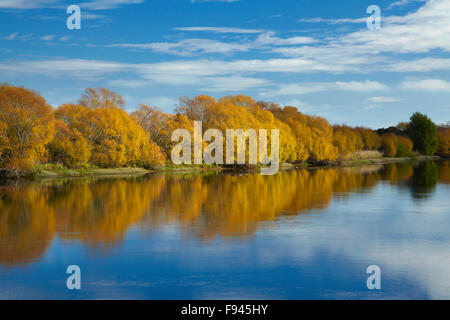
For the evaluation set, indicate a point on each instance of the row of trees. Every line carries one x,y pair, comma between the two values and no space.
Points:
98,131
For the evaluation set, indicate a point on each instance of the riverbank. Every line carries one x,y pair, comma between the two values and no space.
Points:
358,162
56,171
51,171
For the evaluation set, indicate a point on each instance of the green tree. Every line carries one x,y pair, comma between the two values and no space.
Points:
423,133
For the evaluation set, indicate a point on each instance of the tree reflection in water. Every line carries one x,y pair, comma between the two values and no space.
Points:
98,212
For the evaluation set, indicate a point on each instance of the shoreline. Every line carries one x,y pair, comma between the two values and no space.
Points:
359,162
136,172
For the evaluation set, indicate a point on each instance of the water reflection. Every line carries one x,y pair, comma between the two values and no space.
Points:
99,212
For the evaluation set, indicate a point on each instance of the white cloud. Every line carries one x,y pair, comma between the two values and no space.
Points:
107,4
129,83
402,3
220,30
92,16
48,37
426,85
233,84
364,51
69,68
381,99
420,65
361,86
25,4
177,72
268,38
304,88
188,47
194,46
422,31
92,5
426,29
12,36
333,21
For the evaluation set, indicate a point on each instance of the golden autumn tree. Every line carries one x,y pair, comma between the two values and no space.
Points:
313,132
160,126
322,139
342,140
198,108
26,123
238,112
116,138
297,123
69,146
153,121
444,141
404,146
389,144
101,98
119,141
371,139
254,116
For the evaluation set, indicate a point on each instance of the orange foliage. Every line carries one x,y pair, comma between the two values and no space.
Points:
26,126
99,131
69,146
404,146
444,141
389,144
101,98
115,138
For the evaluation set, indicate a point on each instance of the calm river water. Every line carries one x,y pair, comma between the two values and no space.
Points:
304,234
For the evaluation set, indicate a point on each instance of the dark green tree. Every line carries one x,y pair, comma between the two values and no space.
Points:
424,180
423,132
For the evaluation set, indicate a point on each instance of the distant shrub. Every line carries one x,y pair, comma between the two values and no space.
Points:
404,146
444,142
389,144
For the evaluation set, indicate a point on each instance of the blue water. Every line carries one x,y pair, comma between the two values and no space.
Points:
317,245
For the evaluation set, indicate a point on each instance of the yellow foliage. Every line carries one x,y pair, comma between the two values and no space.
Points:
99,131
116,139
160,126
404,146
69,146
101,98
371,139
26,126
444,141
299,127
389,144
322,140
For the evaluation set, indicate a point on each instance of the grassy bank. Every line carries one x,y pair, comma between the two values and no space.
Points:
50,171
359,161
58,171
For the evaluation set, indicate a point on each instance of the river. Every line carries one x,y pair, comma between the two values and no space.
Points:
302,234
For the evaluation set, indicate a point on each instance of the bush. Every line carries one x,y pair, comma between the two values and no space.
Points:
389,144
404,146
444,142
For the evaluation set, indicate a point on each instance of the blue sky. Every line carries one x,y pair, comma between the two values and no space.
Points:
317,55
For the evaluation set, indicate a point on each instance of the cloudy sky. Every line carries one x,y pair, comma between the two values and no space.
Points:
317,55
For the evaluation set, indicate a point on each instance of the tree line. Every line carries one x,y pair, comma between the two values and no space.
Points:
98,131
